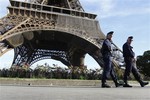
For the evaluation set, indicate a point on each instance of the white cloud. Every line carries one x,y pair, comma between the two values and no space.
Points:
3,9
6,59
89,1
113,8
101,5
127,12
10,53
107,5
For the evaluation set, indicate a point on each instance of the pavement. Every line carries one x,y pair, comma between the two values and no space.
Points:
54,89
12,92
56,82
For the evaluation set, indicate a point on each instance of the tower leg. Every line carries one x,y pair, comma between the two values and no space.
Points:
78,58
22,55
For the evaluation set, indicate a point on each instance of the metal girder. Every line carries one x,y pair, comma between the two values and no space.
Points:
25,55
70,4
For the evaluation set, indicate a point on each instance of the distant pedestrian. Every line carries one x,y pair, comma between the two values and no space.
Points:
130,61
108,69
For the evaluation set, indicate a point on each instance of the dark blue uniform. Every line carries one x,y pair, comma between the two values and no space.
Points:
108,69
128,55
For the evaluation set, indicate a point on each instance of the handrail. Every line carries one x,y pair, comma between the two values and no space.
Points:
120,57
49,8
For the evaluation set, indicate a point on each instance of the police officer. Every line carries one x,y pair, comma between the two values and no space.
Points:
129,59
108,69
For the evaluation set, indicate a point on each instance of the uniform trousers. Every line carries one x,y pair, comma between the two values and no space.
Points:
108,69
130,67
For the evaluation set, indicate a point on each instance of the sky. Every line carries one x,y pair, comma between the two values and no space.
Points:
124,17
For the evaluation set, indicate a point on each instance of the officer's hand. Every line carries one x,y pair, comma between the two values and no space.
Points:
133,59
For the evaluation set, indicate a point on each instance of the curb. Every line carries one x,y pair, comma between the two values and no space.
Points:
55,82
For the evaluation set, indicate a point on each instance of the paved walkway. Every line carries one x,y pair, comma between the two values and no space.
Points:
73,93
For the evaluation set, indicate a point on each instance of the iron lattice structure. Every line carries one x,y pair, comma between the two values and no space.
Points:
55,29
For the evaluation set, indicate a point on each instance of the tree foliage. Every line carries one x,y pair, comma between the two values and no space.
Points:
48,72
143,63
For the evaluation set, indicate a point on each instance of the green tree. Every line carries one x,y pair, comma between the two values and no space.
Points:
143,63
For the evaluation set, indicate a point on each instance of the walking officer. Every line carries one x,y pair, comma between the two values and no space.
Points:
108,69
129,59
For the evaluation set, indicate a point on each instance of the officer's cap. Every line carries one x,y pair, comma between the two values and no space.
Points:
130,37
111,32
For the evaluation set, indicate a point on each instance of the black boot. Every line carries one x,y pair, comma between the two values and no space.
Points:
126,84
117,84
104,85
143,83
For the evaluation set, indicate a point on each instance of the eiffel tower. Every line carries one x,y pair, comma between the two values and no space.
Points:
50,29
